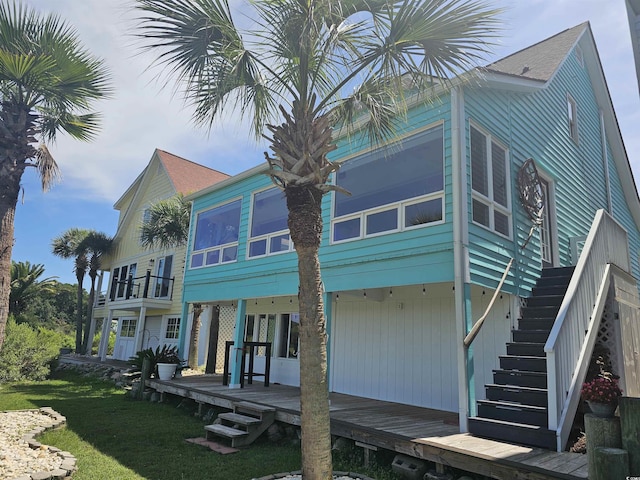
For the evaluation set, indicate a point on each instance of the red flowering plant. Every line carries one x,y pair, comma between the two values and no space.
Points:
601,390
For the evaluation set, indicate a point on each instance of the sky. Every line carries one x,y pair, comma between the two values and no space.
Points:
144,114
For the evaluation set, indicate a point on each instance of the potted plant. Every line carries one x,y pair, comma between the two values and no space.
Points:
167,361
163,362
601,394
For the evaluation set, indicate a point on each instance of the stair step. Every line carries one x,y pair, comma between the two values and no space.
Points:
236,418
249,407
546,311
557,272
545,300
513,412
517,394
536,323
530,336
545,290
520,378
529,349
513,432
225,431
558,280
523,363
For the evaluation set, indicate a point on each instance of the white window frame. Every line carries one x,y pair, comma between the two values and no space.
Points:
267,237
400,206
220,248
488,200
572,118
174,323
131,327
134,293
160,263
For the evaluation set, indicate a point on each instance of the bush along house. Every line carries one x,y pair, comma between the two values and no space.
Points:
476,263
141,289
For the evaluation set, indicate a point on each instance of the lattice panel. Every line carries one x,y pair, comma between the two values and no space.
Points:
607,335
227,326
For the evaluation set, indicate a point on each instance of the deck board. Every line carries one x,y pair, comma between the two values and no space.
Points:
424,433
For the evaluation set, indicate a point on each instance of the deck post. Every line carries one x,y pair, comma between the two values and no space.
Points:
104,339
238,342
328,311
140,329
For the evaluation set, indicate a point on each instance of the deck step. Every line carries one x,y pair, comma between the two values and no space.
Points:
549,290
545,300
523,363
239,419
546,311
517,394
249,407
513,432
531,349
225,431
520,378
513,412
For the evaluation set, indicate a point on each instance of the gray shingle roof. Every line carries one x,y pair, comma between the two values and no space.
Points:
539,61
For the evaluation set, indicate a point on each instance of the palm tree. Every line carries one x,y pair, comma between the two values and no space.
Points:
69,245
95,245
167,226
26,285
311,65
48,84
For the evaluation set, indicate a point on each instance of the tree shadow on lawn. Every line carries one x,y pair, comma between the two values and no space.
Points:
145,437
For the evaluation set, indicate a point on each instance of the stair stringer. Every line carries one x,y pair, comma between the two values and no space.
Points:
562,414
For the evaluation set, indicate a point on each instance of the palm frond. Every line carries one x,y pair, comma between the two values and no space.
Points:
47,168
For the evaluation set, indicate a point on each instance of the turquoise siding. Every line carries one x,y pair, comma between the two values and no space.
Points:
527,124
536,125
422,255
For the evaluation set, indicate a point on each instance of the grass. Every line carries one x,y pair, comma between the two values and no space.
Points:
115,437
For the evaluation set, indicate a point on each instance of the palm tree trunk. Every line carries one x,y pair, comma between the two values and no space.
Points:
87,343
79,314
212,349
8,199
195,334
305,226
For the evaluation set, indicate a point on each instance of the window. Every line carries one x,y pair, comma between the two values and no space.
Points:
490,183
288,335
128,328
391,190
216,238
173,328
163,277
572,113
121,287
282,331
269,231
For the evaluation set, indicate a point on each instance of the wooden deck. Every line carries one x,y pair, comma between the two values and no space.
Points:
432,435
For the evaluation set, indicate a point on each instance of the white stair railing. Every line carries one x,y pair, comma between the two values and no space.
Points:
575,329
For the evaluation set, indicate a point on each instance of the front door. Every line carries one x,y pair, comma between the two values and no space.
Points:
548,239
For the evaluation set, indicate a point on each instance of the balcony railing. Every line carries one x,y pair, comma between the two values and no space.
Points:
148,286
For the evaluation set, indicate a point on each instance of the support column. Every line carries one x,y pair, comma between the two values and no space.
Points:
104,339
140,329
92,332
238,344
328,316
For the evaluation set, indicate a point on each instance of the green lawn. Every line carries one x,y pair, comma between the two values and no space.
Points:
115,437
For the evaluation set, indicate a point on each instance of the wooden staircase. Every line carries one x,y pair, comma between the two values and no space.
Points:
515,409
244,425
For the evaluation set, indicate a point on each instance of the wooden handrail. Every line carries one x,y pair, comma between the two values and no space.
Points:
478,325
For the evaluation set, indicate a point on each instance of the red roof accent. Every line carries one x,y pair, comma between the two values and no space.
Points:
188,176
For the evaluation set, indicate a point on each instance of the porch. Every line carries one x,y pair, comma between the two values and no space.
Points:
423,433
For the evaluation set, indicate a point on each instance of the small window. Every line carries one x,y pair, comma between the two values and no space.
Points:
490,183
173,328
572,114
289,335
128,328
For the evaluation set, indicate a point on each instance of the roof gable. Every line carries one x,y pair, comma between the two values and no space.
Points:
187,176
542,60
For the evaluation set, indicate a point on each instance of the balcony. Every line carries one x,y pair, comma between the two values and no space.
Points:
150,291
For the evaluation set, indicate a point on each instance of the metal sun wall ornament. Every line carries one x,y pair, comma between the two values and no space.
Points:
531,195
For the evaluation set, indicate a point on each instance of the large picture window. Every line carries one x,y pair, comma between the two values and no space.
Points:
490,183
281,330
216,238
391,189
269,231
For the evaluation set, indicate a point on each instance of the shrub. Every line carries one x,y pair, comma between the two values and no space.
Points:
27,353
